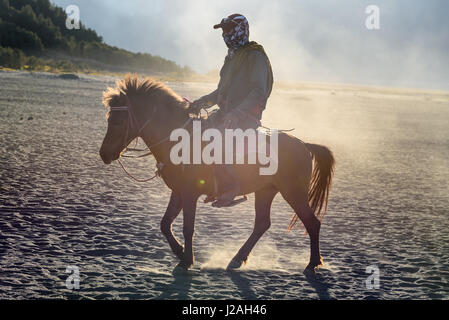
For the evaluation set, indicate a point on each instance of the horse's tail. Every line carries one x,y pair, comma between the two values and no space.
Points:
320,182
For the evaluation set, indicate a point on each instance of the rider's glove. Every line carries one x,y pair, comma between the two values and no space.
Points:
197,105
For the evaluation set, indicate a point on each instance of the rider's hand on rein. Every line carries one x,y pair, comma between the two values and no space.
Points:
196,106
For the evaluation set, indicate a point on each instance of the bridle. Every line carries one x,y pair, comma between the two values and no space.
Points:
133,123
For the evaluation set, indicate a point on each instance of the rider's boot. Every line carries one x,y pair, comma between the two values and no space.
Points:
227,181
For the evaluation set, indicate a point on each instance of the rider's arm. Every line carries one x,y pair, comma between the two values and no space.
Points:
210,99
259,84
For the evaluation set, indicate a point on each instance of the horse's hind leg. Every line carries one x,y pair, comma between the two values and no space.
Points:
264,198
299,202
173,209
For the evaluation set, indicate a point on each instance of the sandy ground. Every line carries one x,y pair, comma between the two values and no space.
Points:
60,206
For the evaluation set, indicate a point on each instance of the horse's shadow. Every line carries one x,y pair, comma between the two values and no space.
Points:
318,282
179,288
182,282
243,284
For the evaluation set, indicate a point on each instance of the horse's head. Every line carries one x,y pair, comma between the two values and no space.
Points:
120,130
132,104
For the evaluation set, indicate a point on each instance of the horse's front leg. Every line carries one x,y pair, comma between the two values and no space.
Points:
264,198
173,209
189,210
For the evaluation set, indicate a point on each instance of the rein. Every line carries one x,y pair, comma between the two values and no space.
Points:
134,123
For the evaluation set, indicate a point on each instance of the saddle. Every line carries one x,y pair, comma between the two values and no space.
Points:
213,120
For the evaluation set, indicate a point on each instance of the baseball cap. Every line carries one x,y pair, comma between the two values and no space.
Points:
230,21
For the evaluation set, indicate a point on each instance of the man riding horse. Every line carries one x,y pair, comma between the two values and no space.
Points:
246,80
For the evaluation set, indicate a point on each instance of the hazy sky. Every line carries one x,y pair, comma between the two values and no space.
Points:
315,40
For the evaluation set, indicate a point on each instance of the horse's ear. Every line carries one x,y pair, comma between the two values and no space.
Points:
119,100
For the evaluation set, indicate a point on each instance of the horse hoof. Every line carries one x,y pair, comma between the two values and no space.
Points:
311,268
180,269
184,265
234,264
210,199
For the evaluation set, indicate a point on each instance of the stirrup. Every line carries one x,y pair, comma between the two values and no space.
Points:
221,204
210,198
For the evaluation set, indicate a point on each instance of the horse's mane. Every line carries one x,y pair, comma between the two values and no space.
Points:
134,87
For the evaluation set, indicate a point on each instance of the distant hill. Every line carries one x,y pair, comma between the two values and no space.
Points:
34,36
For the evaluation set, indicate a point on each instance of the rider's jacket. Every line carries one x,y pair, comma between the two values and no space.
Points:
246,81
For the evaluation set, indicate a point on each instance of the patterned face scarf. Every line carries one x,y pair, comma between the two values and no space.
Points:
236,34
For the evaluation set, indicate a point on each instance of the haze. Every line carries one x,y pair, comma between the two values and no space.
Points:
319,41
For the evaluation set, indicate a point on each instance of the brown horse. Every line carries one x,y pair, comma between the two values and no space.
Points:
150,110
